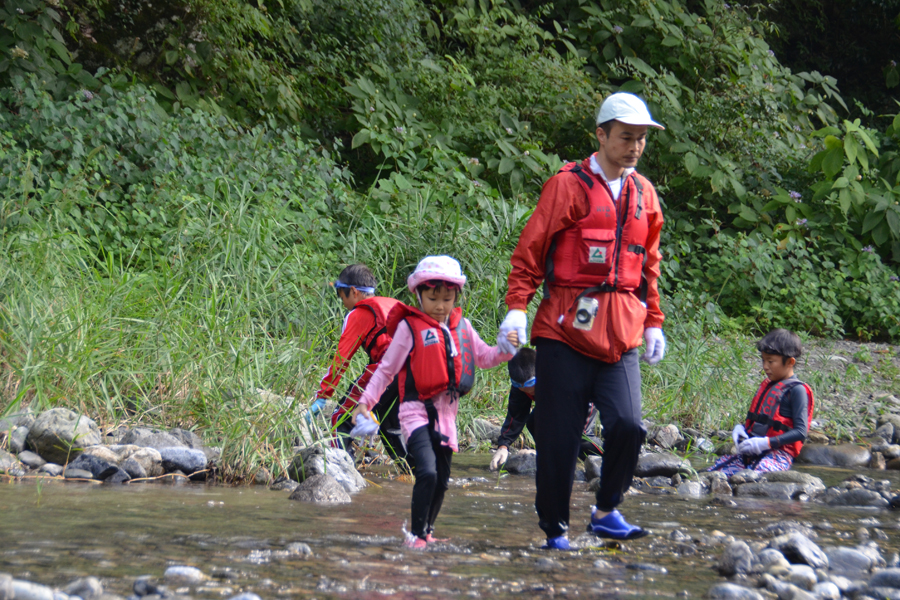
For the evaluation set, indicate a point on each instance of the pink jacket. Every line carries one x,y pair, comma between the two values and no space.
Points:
412,414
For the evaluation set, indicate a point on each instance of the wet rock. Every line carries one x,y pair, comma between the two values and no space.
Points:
858,497
149,459
284,484
894,421
719,486
152,438
730,591
592,467
667,436
885,431
780,491
803,576
744,476
120,476
889,578
333,461
52,469
771,558
187,437
849,561
809,482
24,590
666,464
17,439
182,459
321,489
99,469
839,455
87,588
146,586
799,549
826,591
485,431
184,574
523,462
71,473
736,559
789,526
59,434
104,453
547,565
691,489
877,462
134,468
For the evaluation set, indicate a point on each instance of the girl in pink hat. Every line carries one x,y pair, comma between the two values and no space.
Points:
435,352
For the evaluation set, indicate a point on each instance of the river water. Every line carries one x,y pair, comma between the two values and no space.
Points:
54,532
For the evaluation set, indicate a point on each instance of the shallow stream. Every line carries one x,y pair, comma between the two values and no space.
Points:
54,532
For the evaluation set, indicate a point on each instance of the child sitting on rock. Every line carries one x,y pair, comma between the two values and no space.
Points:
778,421
433,354
519,414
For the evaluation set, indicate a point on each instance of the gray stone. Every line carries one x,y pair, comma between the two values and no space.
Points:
282,484
17,439
810,482
798,548
789,526
691,489
720,486
545,564
7,461
782,491
147,586
6,587
839,455
104,453
134,469
71,473
485,431
150,460
803,576
736,559
730,591
877,461
651,464
523,462
152,438
892,451
886,578
24,590
849,561
744,476
187,437
182,459
31,460
826,591
667,436
59,434
331,461
87,588
119,476
880,593
858,497
321,489
770,558
184,574
298,548
894,420
52,469
886,432
99,469
592,467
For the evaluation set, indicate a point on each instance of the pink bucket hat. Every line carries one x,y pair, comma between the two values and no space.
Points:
441,268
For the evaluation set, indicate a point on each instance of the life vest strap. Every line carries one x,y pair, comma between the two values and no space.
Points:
640,197
767,421
431,411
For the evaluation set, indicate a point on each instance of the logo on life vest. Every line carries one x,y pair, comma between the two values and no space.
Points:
597,254
429,337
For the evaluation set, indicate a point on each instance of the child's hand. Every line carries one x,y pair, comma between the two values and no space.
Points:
754,446
513,338
361,409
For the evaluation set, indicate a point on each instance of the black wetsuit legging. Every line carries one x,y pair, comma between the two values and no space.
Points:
431,466
566,382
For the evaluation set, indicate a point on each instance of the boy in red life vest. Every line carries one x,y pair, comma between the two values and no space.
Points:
364,327
433,355
519,414
778,421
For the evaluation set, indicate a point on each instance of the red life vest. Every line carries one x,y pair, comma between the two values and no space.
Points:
605,249
766,409
431,367
377,340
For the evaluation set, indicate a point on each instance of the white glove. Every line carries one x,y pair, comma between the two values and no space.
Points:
738,434
365,427
516,320
656,345
499,458
755,445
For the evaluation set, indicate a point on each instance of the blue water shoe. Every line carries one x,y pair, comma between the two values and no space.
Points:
557,543
614,526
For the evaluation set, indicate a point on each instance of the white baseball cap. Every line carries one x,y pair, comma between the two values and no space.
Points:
626,108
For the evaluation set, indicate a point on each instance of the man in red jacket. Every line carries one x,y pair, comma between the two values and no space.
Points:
593,240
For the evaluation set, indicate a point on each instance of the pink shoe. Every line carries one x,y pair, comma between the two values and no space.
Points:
415,543
432,540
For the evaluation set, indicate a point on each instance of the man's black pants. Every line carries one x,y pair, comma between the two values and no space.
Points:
566,382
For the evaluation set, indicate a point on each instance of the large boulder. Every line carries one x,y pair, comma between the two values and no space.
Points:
321,489
182,459
651,464
523,462
331,461
485,431
839,455
59,434
799,549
